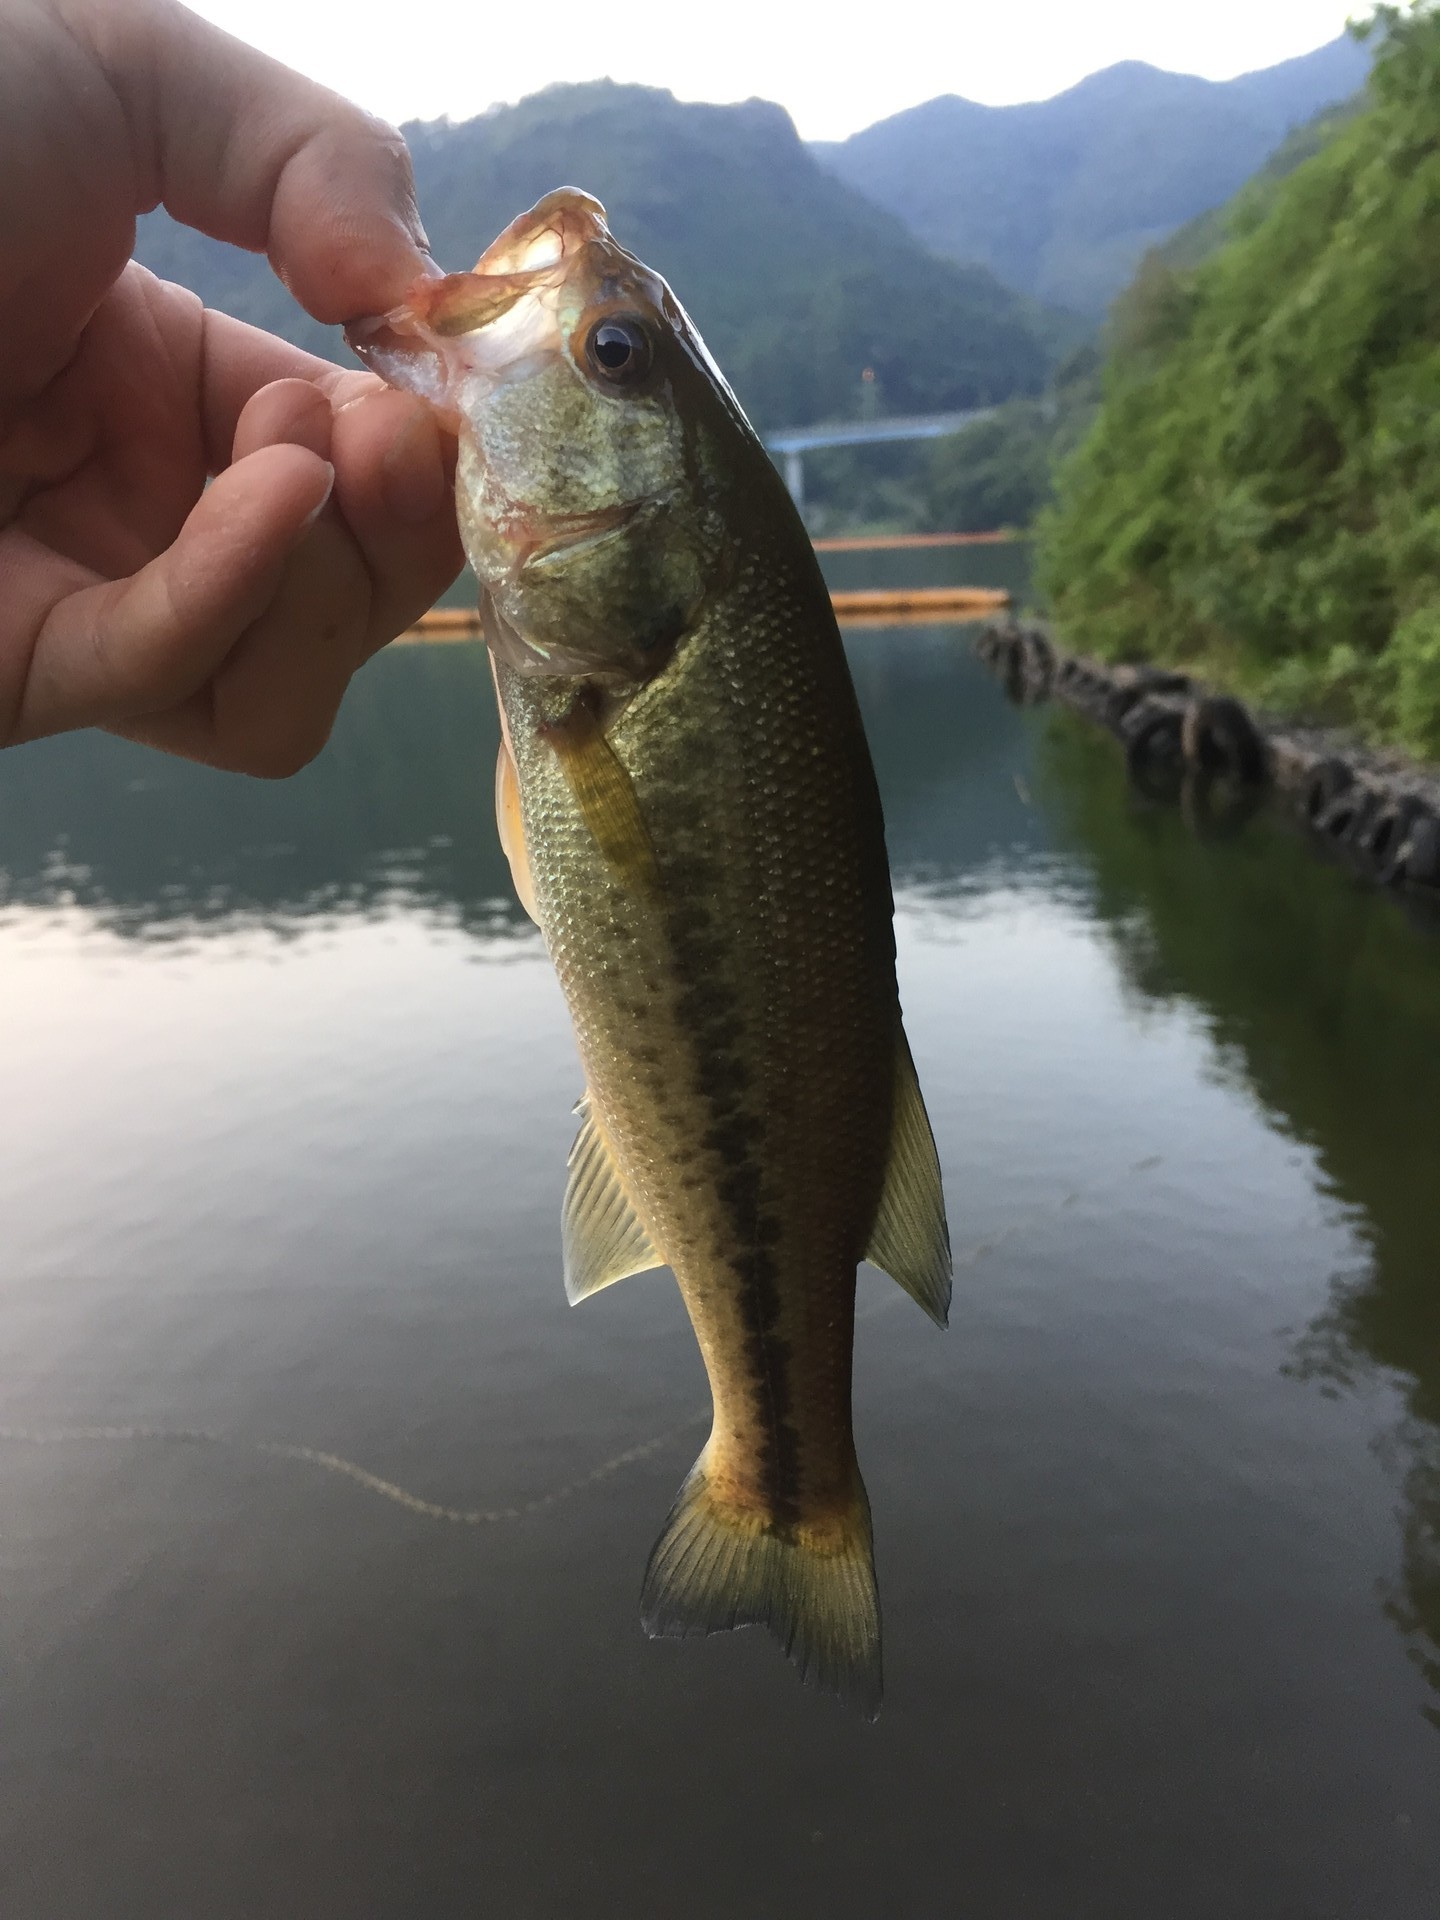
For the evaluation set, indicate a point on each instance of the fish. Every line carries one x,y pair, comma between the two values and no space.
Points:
686,798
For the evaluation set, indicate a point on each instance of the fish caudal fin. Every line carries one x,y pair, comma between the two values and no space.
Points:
910,1240
717,1566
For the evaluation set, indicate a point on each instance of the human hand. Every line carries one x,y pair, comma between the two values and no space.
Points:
222,622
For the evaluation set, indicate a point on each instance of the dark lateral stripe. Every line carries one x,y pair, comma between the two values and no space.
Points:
721,1078
768,1353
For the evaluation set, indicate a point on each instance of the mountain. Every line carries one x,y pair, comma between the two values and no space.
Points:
1062,197
797,282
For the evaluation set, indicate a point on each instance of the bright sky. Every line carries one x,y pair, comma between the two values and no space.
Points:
836,68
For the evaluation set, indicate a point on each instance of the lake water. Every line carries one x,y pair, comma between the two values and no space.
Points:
286,1103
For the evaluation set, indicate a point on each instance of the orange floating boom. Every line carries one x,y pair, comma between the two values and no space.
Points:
446,623
866,542
871,604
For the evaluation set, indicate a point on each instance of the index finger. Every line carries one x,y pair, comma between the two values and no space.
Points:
239,360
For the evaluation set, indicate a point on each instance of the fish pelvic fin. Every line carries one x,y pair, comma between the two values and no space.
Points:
603,1236
910,1240
717,1566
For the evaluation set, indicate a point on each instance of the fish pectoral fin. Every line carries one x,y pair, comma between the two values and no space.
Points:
606,798
602,1234
910,1240
511,824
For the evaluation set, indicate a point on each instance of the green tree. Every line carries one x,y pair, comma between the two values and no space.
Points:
1260,492
998,473
994,474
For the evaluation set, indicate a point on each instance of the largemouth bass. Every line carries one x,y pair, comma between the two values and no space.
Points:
690,813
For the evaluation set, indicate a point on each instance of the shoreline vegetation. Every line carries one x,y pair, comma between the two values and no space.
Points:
1257,496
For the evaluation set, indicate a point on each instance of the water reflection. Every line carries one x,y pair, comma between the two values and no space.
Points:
301,1194
1317,994
1327,1003
397,810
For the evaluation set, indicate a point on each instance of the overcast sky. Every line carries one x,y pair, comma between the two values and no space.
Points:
419,59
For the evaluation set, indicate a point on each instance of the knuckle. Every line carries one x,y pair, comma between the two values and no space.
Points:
390,141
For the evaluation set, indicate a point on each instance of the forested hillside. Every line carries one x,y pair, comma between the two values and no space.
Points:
1001,471
796,281
1061,197
1260,492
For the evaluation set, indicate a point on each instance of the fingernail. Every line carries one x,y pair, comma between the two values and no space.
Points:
319,506
412,475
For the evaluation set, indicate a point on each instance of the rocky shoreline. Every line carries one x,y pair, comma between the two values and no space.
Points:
1181,739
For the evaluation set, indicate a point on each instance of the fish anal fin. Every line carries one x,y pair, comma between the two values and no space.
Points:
510,821
716,1566
910,1240
603,1237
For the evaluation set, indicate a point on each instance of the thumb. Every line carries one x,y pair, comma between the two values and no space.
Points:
253,153
106,654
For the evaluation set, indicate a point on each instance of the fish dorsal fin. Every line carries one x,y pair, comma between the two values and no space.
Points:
603,1238
510,821
910,1240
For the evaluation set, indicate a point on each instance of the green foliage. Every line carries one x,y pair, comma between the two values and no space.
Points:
1260,493
998,473
995,474
795,280
878,488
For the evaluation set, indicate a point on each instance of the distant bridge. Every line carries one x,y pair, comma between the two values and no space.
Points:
793,443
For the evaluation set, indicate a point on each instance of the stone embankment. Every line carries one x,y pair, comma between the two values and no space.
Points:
1380,811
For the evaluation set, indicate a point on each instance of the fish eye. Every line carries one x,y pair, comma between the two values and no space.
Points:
619,349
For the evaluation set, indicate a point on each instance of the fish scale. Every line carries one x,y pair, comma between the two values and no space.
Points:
750,995
688,803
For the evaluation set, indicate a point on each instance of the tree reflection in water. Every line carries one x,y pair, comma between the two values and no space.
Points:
1327,998
1320,993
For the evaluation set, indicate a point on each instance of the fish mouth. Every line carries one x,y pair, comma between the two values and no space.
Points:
549,234
576,531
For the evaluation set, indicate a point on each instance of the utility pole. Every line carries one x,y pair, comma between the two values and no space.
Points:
795,476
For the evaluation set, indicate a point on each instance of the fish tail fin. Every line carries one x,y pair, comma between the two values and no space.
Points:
812,1583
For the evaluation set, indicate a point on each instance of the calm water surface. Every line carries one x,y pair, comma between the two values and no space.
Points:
286,1102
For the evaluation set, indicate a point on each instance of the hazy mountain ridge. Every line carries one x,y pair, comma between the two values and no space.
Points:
1061,198
796,280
